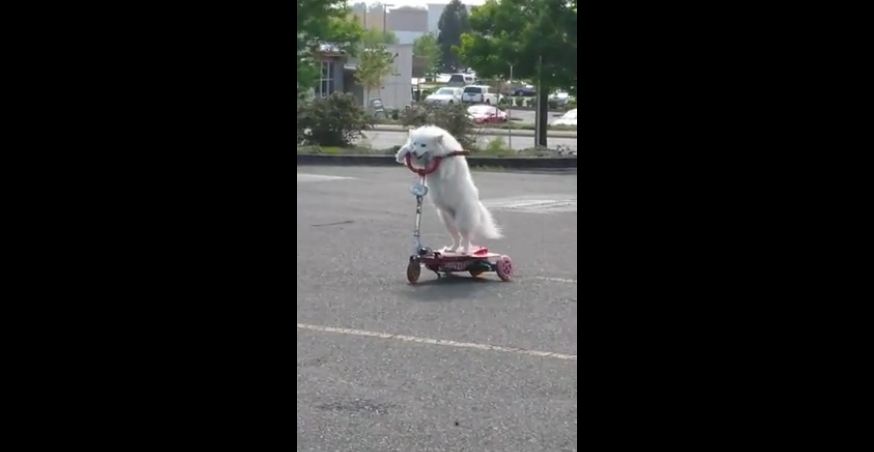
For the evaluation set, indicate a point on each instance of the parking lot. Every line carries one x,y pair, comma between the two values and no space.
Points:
447,365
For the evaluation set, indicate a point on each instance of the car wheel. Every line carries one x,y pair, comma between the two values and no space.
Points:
488,102
450,102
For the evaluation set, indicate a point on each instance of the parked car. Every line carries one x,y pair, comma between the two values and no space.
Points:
486,114
567,119
445,95
525,90
561,97
461,80
479,94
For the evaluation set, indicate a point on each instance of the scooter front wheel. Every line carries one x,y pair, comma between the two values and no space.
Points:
504,268
414,269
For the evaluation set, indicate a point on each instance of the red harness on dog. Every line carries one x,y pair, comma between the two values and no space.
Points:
432,166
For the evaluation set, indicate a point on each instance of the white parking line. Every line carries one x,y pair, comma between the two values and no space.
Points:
547,278
304,177
539,204
424,340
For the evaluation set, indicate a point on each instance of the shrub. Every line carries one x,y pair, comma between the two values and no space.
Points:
301,130
453,118
415,115
498,147
553,104
530,102
336,120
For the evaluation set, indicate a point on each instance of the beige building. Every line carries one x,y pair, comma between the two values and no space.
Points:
406,22
396,90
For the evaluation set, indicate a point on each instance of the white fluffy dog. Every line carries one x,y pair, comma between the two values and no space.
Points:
451,187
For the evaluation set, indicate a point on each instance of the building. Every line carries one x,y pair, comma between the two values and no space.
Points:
333,74
408,23
338,75
397,89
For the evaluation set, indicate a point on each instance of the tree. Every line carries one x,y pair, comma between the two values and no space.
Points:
378,36
426,48
375,62
538,37
320,22
453,23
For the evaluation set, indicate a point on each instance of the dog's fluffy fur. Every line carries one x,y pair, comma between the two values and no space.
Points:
451,187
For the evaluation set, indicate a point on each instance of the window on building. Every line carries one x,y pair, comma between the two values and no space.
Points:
326,81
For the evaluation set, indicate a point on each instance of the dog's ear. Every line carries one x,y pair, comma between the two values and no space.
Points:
439,139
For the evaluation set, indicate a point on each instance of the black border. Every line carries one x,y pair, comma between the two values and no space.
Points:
170,210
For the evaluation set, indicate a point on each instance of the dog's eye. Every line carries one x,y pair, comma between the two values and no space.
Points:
423,145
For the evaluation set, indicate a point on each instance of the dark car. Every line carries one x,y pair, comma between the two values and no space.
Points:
460,80
525,90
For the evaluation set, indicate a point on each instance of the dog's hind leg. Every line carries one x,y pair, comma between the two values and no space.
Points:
449,222
467,219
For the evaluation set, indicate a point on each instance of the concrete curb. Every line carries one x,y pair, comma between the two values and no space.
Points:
486,131
388,160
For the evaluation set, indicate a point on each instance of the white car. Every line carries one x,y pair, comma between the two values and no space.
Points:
479,94
567,119
445,95
561,97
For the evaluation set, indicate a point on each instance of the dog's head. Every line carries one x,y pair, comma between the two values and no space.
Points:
427,142
424,146
431,141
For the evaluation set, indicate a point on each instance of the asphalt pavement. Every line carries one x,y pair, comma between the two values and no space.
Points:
447,365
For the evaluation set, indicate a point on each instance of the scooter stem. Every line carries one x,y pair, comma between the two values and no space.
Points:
416,234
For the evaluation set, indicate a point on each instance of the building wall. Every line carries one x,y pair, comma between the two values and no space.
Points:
373,20
407,23
408,19
434,12
396,91
408,37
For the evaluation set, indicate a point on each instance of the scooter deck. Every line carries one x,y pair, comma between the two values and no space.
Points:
452,256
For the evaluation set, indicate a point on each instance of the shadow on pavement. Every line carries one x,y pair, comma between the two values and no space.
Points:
450,288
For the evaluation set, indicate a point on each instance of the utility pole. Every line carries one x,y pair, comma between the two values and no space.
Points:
510,111
538,130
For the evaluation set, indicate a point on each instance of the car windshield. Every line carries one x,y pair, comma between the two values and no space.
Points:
473,90
571,114
445,91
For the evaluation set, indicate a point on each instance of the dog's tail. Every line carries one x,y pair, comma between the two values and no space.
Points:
488,229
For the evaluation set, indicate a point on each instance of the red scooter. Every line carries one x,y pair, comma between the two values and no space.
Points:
479,262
